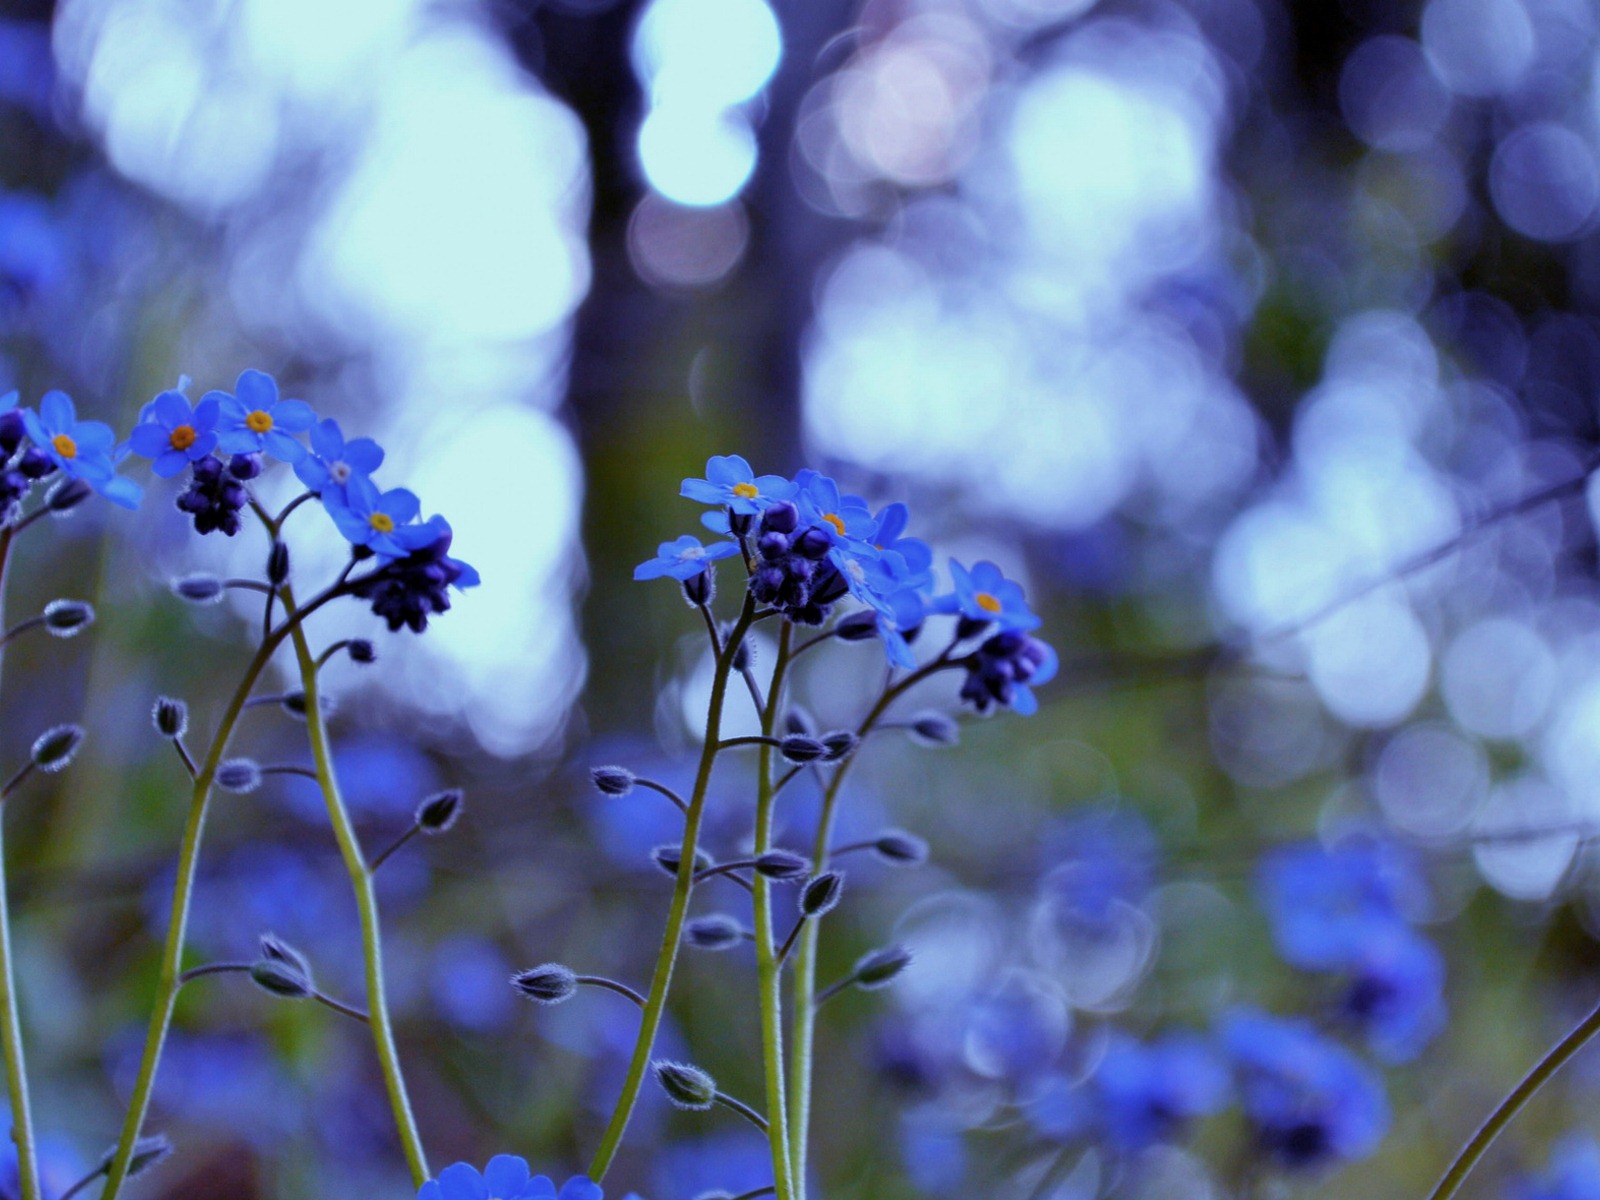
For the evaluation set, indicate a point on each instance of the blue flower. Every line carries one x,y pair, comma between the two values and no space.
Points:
840,517
371,518
1147,1091
1005,670
407,591
1573,1173
256,421
1311,1101
1326,905
683,559
1099,860
333,462
505,1178
985,594
80,448
730,481
914,553
1396,993
173,434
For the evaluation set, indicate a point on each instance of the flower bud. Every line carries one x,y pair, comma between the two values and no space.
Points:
239,775
783,865
780,517
282,978
900,848
740,524
55,748
294,703
716,932
935,729
813,544
440,811
360,650
245,466
699,589
548,983
877,968
148,1152
800,749
840,743
275,948
67,495
171,717
35,463
969,627
64,618
12,431
199,589
278,563
857,627
613,781
744,655
686,1086
821,895
798,720
668,858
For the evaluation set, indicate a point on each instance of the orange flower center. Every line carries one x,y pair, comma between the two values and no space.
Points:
183,437
988,603
382,522
747,491
65,446
259,422
836,521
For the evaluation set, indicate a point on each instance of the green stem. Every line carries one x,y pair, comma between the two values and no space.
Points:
805,967
367,902
769,965
672,936
178,923
1513,1104
11,1030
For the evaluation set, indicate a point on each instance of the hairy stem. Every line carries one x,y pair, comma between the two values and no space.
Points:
672,936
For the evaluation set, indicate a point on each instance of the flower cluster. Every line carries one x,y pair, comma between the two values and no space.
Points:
807,546
1343,911
35,446
224,440
506,1177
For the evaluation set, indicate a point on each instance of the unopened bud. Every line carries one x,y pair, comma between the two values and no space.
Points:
668,859
360,650
901,848
275,948
548,983
799,749
877,968
148,1152
798,720
613,781
700,589
171,717
440,811
67,495
245,466
716,932
821,895
935,729
857,627
239,775
199,589
281,978
783,865
686,1086
278,563
55,748
64,618
840,743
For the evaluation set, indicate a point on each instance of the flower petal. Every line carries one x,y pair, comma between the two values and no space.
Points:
282,447
171,408
256,390
293,415
56,410
506,1175
364,455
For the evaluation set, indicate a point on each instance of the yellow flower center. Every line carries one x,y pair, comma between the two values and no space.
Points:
988,603
382,522
747,491
834,520
65,446
259,422
183,437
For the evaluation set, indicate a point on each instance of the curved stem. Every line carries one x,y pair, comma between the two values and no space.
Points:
666,959
611,985
805,969
769,964
744,1110
10,1019
367,902
1513,1103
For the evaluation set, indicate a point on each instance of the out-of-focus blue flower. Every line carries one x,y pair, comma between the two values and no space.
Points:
1325,904
505,1178
1311,1101
1016,1032
469,983
730,481
1006,669
985,594
683,559
172,434
254,420
822,506
1573,1173
935,1156
334,462
407,591
1145,1092
725,1162
35,254
1396,993
1096,860
372,518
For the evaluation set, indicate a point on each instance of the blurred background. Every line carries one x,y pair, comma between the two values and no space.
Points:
1196,316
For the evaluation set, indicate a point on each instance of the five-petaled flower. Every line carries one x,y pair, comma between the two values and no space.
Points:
333,461
374,519
985,594
255,420
83,449
505,1178
730,481
683,559
173,434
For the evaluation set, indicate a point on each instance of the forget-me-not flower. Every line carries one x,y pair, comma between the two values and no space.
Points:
372,518
731,482
683,559
254,420
333,461
173,434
